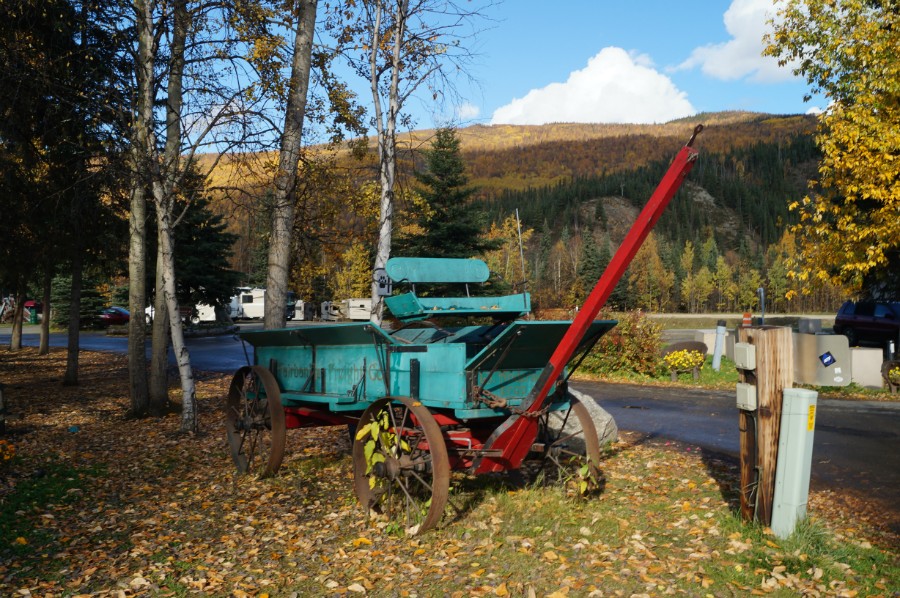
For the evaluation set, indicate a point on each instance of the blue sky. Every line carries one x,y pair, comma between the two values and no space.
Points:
637,62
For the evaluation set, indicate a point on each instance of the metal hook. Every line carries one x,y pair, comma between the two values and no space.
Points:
697,130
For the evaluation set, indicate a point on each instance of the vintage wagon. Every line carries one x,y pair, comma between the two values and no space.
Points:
463,382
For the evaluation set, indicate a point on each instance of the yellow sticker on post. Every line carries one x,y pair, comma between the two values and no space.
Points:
811,418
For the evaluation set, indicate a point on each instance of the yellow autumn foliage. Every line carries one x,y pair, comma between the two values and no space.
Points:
849,227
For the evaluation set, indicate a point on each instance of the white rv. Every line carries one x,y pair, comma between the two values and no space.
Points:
204,313
330,311
304,311
248,304
356,309
348,309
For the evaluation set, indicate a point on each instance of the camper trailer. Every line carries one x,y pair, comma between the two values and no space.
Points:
199,313
250,304
330,312
304,311
356,309
348,309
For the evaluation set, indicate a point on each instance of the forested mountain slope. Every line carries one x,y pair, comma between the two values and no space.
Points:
742,192
577,188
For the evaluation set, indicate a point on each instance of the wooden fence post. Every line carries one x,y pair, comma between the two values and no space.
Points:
760,429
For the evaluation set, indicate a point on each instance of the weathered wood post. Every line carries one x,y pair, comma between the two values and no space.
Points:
759,429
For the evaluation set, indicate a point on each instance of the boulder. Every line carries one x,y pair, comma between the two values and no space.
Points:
607,430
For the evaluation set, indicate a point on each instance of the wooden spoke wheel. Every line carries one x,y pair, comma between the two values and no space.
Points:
567,449
254,422
400,465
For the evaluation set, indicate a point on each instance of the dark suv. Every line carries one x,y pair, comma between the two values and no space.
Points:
868,321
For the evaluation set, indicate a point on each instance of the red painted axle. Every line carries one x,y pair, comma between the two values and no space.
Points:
515,435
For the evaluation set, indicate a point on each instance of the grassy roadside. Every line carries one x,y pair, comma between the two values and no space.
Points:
727,377
96,503
674,321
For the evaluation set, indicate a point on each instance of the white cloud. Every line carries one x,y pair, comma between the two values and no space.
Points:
614,87
467,111
741,56
815,110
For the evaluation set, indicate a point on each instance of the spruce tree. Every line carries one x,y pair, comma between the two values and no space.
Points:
205,247
590,265
451,225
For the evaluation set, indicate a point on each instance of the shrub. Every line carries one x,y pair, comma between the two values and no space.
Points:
632,346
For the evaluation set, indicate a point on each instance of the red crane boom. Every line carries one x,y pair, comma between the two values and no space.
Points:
509,436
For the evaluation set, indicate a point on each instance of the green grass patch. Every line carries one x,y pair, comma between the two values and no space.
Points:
27,512
725,378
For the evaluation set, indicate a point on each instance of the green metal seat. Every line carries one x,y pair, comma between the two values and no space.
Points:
410,307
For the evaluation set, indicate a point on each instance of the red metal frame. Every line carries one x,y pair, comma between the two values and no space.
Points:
306,417
517,433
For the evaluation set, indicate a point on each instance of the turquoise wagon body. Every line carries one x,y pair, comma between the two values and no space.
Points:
484,368
475,371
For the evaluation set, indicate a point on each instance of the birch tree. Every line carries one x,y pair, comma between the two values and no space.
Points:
849,229
188,61
404,49
141,151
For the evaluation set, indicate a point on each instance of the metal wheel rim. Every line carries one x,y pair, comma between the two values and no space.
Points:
254,422
412,487
570,458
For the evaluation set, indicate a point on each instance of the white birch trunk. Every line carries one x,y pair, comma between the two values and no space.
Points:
387,142
189,420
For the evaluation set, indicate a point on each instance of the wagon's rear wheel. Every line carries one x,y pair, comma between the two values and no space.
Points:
568,449
400,465
254,422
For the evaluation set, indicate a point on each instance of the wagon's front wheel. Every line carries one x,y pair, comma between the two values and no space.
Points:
569,449
400,464
254,421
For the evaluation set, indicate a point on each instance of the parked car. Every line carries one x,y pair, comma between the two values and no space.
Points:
868,321
114,316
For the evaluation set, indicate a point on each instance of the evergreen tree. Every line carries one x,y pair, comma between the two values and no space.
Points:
450,225
201,265
541,264
688,285
92,301
590,265
709,252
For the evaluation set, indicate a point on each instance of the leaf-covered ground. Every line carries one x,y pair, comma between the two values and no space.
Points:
96,504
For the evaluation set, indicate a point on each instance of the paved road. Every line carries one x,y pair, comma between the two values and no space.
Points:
857,444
